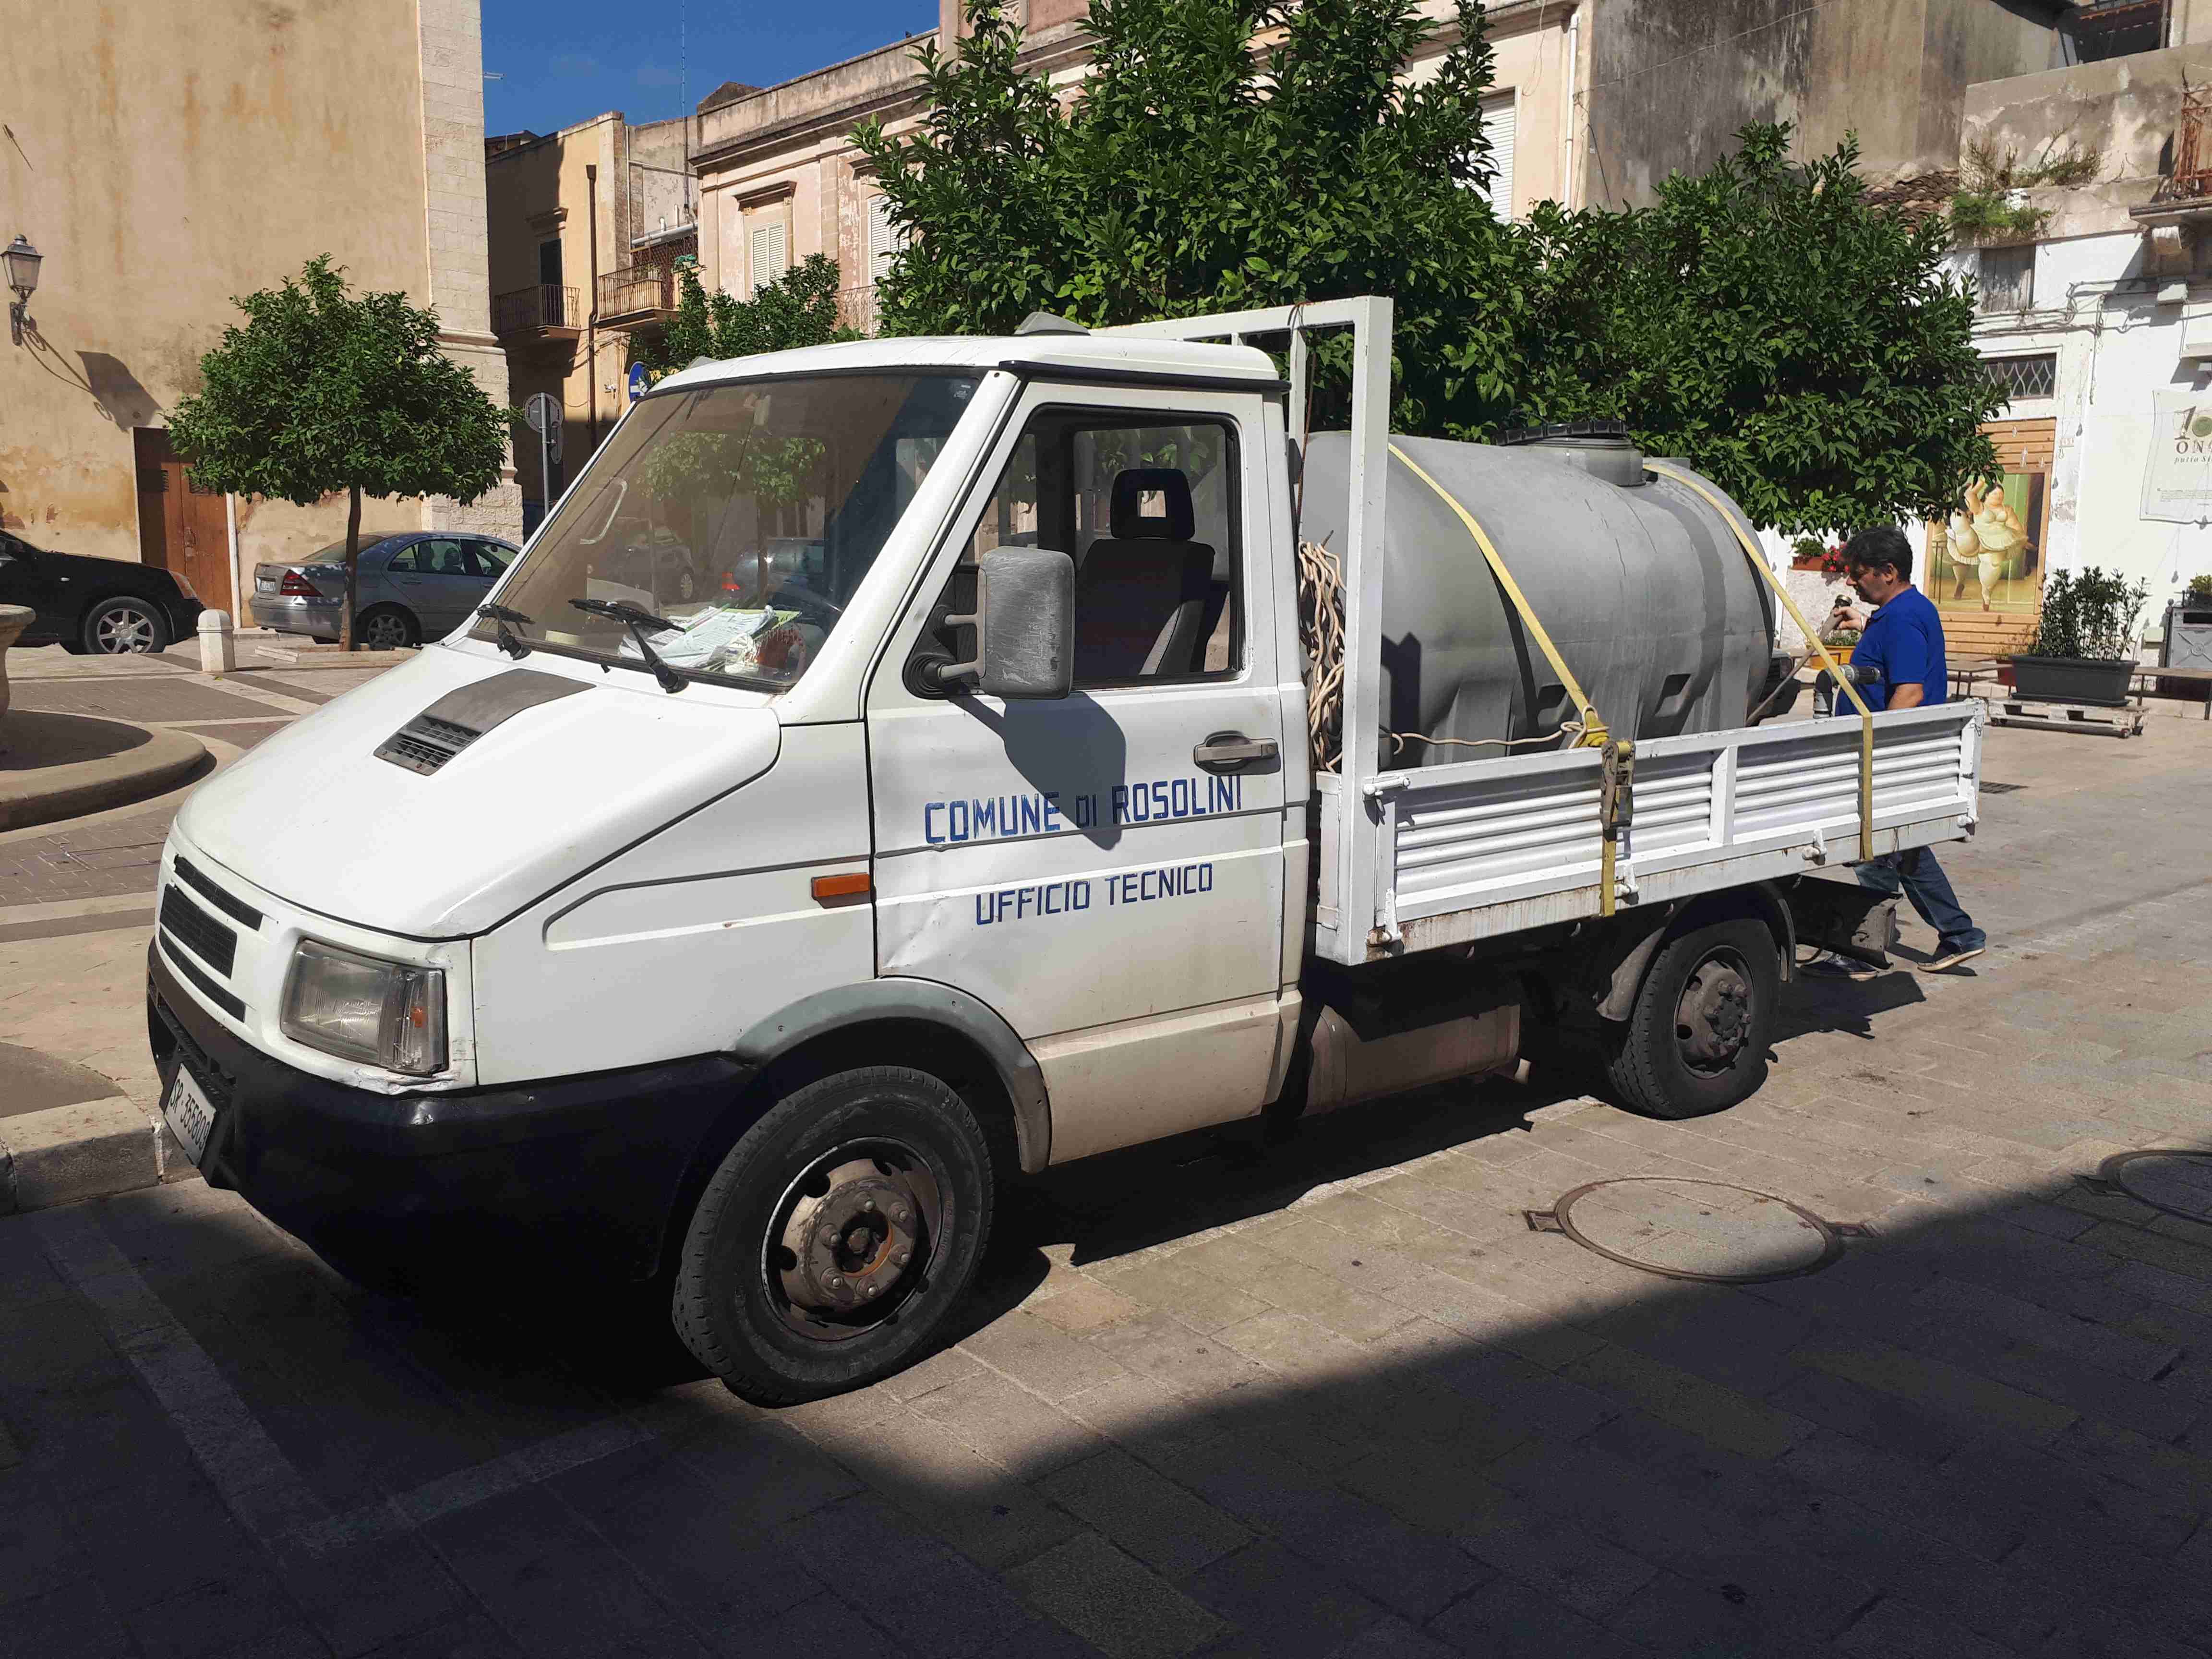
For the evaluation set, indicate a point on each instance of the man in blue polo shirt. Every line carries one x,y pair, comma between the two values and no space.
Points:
1899,662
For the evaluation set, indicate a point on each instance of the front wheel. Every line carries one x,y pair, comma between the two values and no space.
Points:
837,1237
1698,1038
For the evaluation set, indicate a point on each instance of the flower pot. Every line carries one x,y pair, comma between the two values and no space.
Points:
2098,683
1842,653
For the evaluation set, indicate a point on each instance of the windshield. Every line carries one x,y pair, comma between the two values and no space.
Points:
744,517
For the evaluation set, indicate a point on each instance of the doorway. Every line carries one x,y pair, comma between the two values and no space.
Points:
182,529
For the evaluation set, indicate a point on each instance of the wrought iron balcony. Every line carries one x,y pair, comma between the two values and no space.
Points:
636,295
856,308
545,310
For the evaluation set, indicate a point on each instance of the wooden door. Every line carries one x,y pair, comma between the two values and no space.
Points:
181,529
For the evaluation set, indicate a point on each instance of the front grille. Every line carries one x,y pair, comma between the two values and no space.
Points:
206,987
426,742
206,937
236,908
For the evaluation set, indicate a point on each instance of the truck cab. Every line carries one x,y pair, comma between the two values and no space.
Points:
508,950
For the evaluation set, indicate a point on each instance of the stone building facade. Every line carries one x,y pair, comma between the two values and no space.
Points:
165,157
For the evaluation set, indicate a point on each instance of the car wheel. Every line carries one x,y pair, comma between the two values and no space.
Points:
125,627
1698,1038
837,1237
386,628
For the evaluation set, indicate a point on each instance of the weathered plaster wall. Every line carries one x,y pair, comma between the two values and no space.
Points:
1673,81
168,156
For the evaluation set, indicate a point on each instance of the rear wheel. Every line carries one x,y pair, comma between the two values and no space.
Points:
125,627
385,627
837,1237
1698,1038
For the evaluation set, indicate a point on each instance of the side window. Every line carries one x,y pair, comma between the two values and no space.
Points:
1147,506
490,561
442,558
406,561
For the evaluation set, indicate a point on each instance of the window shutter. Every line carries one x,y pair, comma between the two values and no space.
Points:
770,246
884,238
1497,124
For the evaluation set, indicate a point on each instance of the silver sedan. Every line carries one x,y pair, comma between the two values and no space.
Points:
414,584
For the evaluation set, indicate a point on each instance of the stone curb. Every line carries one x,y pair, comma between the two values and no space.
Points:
44,794
69,1153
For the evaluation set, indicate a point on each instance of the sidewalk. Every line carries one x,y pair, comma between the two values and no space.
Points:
1338,1401
76,910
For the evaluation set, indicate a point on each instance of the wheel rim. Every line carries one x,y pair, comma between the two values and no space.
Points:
1712,1019
850,1242
385,633
125,631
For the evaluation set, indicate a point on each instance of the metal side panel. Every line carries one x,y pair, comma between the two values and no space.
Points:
1484,848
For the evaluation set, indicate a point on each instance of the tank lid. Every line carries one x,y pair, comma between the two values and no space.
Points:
1567,432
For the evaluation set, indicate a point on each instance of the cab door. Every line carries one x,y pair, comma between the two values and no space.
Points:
1106,869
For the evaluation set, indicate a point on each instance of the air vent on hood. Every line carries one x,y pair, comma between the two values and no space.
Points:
460,718
425,744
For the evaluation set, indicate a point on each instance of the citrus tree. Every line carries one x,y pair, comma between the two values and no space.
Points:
799,308
324,391
1194,170
1805,350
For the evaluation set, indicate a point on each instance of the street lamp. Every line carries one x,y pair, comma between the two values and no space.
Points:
22,262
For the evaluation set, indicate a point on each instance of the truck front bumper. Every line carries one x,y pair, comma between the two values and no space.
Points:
582,1174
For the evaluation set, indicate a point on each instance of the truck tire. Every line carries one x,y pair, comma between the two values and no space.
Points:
837,1237
1698,1038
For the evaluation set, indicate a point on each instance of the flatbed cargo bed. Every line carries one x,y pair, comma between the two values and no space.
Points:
1413,859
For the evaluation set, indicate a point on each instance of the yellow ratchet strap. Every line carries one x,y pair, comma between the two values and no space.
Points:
1835,672
1620,754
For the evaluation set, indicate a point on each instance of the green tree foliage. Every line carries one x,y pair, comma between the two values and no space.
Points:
799,308
1804,349
1761,320
325,390
1189,174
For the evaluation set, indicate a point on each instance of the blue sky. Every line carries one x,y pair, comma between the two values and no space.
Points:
560,61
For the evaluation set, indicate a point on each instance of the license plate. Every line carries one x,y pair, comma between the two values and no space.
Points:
189,1115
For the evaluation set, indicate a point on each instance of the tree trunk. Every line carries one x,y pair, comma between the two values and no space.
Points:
352,570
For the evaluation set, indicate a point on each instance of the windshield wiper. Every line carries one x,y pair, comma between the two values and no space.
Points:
508,641
640,622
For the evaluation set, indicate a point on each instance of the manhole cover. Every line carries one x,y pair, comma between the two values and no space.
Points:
1708,1231
2177,1183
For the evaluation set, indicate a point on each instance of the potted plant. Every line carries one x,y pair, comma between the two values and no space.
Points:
1806,553
2084,640
1839,641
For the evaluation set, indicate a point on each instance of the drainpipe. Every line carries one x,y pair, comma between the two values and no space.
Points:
591,317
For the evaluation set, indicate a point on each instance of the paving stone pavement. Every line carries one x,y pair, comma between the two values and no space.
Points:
1333,1398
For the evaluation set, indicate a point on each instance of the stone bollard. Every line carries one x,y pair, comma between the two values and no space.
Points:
218,644
14,619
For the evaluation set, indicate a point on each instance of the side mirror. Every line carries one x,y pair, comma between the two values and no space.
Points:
1025,624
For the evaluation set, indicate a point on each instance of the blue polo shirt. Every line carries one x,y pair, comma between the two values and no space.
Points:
1903,644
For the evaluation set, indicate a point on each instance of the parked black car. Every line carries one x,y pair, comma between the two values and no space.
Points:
100,606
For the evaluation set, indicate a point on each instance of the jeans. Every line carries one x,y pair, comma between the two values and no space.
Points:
1922,880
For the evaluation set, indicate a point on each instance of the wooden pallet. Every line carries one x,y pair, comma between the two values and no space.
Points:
2122,723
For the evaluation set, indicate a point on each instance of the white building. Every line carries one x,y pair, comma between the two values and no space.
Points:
2096,308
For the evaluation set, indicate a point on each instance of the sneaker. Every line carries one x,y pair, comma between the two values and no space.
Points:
1945,958
1832,966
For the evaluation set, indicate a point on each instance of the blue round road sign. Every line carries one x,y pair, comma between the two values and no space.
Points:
637,382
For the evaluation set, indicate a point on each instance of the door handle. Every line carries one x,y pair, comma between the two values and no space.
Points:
1232,751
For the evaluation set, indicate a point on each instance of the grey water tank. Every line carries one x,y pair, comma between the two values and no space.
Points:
1642,586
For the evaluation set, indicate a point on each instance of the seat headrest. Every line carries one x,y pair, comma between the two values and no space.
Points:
1131,485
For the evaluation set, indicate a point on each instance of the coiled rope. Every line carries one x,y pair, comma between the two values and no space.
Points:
1321,631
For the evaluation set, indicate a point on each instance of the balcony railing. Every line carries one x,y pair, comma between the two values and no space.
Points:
636,293
2192,146
856,308
544,309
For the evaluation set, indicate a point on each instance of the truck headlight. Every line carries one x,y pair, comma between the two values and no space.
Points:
388,1013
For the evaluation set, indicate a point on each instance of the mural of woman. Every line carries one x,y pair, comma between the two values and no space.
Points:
1961,546
1998,534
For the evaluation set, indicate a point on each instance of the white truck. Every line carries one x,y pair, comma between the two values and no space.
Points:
886,770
